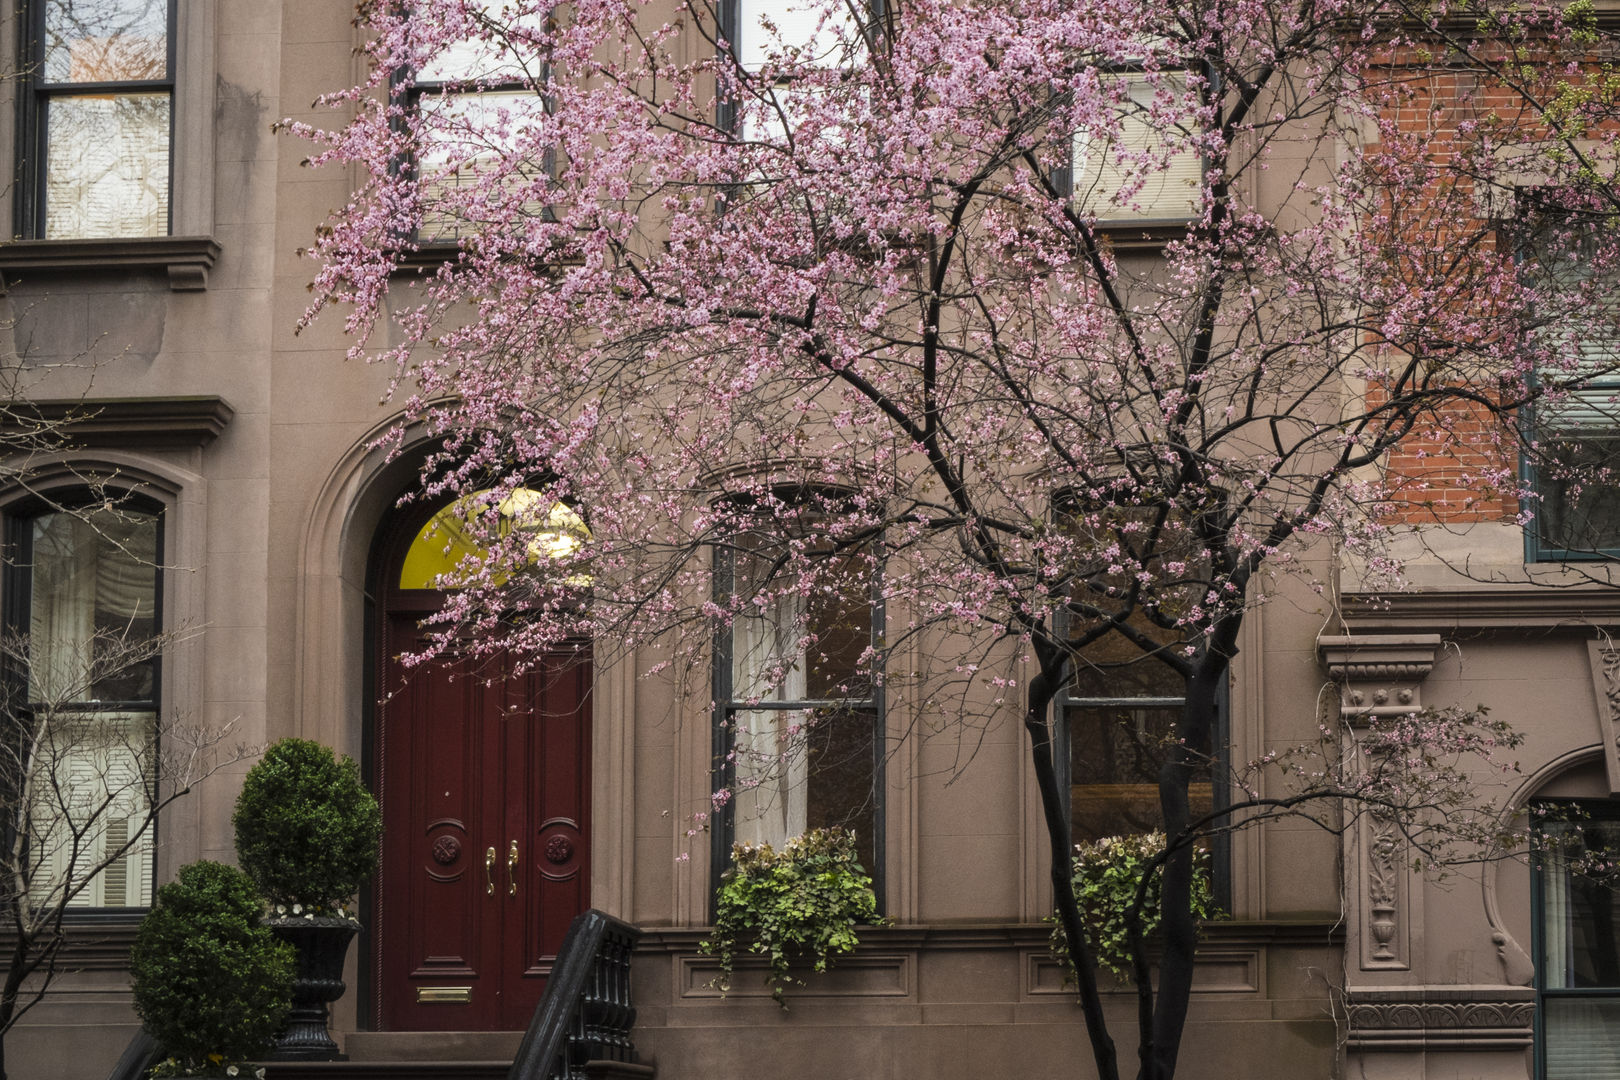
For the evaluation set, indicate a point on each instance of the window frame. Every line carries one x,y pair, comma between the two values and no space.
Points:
729,15
407,90
1063,177
1538,547
723,822
1220,847
16,613
34,95
1605,810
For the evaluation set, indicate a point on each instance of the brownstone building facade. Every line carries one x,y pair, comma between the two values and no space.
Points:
157,272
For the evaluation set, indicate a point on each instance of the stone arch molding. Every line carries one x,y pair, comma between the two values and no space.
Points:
183,495
1517,967
329,659
359,492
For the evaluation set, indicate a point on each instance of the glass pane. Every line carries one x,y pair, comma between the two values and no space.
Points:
491,59
798,648
94,772
799,770
1582,1038
1115,757
94,588
1579,510
803,31
449,543
1110,183
107,166
463,138
105,40
1580,916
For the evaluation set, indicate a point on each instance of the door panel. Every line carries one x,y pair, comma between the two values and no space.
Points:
483,778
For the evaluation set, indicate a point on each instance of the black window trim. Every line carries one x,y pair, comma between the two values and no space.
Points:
16,611
722,822
1589,809
33,135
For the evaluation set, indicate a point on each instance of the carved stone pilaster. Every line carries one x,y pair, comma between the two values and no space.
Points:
1605,655
1379,674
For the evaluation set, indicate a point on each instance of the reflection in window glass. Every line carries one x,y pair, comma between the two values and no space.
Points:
1109,179
466,136
107,166
1578,954
808,759
94,578
89,41
91,581
1122,708
804,31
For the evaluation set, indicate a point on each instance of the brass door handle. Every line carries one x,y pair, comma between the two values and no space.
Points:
489,870
511,869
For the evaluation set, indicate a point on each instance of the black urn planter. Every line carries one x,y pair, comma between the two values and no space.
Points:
322,944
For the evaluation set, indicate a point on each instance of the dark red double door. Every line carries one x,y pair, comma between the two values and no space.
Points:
483,777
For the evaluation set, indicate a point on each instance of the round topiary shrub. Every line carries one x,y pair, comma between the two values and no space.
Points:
307,830
211,984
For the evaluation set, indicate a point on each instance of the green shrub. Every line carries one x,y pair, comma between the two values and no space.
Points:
802,902
211,983
306,828
1106,874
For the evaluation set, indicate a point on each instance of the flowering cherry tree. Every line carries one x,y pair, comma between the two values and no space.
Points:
1046,324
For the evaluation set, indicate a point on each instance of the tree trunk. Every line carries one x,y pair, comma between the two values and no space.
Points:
1043,687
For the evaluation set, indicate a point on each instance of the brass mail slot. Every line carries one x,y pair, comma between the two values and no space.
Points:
444,995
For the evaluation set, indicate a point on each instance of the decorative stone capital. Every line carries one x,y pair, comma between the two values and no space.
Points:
1378,674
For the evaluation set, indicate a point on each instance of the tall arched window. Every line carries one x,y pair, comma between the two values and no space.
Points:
799,740
81,643
1577,940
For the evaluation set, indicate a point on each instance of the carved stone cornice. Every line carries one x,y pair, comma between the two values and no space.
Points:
145,422
1440,1020
1378,674
1482,607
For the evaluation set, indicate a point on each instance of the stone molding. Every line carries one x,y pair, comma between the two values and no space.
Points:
1378,674
145,422
1605,657
1448,1019
186,259
1482,607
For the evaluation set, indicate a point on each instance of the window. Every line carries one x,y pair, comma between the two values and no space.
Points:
82,588
1122,707
1577,943
1139,173
767,34
1576,432
799,711
473,107
97,117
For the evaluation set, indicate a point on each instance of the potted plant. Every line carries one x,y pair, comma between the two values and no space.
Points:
802,902
307,832
211,983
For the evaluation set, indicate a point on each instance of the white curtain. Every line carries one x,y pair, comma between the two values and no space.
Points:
771,765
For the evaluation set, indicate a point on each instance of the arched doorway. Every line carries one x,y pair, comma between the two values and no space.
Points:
483,773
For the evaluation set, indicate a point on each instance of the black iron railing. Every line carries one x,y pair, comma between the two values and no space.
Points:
586,1013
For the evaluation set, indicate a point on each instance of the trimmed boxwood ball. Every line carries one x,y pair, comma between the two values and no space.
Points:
307,830
208,978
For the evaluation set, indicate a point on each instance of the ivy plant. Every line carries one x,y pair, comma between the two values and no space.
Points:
1106,875
800,903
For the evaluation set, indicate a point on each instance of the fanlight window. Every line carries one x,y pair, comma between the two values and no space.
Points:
449,545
